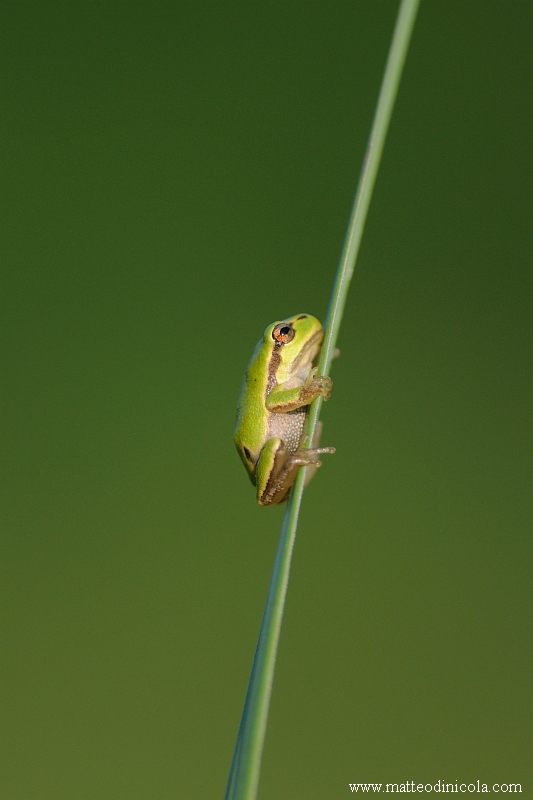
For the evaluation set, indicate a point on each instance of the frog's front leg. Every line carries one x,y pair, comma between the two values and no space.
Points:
282,399
276,469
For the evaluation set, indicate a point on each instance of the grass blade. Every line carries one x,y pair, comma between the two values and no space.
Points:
244,774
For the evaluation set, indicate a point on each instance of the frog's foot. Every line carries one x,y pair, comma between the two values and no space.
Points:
318,384
308,458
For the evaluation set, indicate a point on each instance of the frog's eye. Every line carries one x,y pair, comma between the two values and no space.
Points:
283,333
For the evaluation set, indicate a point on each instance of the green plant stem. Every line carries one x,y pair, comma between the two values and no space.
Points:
244,774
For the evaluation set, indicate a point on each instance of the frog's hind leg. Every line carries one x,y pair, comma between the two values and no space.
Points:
267,471
276,471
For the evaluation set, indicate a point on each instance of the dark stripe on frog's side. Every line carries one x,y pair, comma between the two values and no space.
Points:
273,364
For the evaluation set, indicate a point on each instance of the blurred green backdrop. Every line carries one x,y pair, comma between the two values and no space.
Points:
176,177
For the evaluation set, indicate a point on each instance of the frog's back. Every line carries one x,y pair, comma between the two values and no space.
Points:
251,428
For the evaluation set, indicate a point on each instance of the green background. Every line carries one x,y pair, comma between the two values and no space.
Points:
175,177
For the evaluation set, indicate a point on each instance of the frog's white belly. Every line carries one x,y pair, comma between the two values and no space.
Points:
288,427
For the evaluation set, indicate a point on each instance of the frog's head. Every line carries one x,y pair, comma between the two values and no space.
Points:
295,342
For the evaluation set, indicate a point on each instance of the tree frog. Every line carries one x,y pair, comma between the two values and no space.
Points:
280,384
